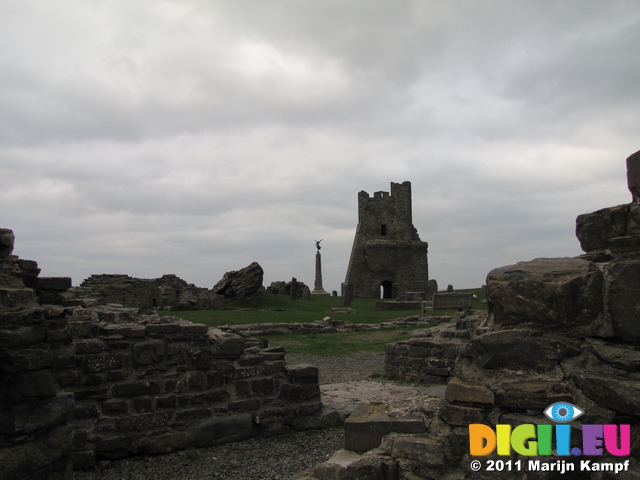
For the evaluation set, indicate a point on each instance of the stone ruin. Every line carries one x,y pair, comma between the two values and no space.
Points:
387,253
557,330
295,289
243,283
167,292
81,382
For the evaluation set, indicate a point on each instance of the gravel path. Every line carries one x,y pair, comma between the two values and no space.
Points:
342,368
270,458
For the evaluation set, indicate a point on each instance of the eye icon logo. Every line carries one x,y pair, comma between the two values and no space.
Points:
563,412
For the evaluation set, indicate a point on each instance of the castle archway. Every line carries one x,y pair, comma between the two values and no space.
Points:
386,289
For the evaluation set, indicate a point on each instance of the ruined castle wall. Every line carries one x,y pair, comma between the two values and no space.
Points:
387,249
84,390
81,383
146,389
168,291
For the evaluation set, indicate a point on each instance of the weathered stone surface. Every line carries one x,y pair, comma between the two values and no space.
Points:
149,352
226,345
58,284
218,431
459,391
303,374
29,417
429,451
347,465
242,283
368,423
625,358
595,230
531,395
558,294
633,175
43,457
623,301
461,416
7,240
516,349
167,291
20,298
616,394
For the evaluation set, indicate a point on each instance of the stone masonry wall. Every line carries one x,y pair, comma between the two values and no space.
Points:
430,355
154,388
168,291
83,383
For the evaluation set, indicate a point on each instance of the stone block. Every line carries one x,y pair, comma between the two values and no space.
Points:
7,241
163,328
35,459
226,345
457,415
196,380
11,282
218,431
115,407
428,451
136,388
55,284
249,405
149,352
461,392
532,395
624,358
192,414
299,393
519,349
143,405
103,362
18,360
303,374
368,423
28,417
621,395
622,300
345,465
633,176
596,230
114,448
160,444
200,358
144,421
83,460
416,351
86,411
129,331
89,345
24,386
17,299
549,294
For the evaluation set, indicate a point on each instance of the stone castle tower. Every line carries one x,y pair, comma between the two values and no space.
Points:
387,255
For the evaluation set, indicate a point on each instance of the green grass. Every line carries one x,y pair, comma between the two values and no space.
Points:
269,308
340,343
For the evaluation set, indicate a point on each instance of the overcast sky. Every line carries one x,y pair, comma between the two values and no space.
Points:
194,137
